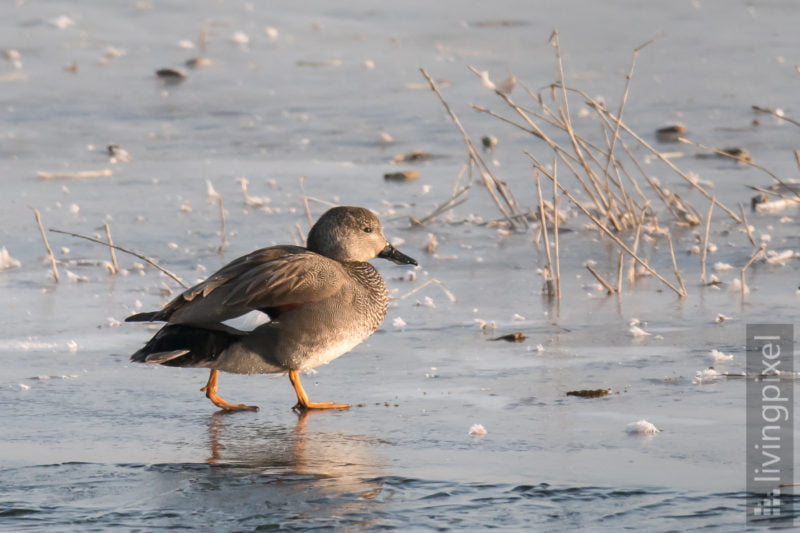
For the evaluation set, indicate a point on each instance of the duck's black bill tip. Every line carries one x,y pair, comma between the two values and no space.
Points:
394,255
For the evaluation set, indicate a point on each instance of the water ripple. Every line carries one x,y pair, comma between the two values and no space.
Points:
79,496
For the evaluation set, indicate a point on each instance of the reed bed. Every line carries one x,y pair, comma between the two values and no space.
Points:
603,180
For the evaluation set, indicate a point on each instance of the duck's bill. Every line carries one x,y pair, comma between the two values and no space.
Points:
394,255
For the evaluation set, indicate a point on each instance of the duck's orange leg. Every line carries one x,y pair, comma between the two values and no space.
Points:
302,398
211,393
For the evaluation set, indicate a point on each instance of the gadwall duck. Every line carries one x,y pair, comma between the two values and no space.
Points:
322,301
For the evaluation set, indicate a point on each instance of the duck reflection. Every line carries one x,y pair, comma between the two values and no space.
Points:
341,469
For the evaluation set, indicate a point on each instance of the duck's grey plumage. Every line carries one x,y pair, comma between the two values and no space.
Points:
322,301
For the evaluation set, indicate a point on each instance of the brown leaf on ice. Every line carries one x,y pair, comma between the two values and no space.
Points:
511,337
589,393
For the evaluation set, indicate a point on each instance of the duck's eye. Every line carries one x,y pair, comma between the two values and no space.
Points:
367,230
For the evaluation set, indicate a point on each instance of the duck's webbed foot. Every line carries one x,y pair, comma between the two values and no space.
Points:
211,393
303,402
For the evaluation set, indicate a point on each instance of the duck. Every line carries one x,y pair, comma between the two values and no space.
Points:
318,302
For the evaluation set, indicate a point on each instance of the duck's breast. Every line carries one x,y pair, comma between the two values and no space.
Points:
318,332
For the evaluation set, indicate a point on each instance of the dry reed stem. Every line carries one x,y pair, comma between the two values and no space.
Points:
620,268
621,198
147,260
753,257
202,40
553,39
775,113
456,182
606,205
74,175
548,277
679,208
632,269
742,161
323,202
448,293
481,109
660,192
490,181
675,266
623,100
704,252
773,194
556,249
450,203
564,115
611,143
114,264
597,185
597,192
300,235
310,219
608,232
776,194
594,192
50,254
603,111
617,163
609,289
537,132
223,237
746,225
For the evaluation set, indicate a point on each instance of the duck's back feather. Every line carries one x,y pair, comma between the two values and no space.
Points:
278,277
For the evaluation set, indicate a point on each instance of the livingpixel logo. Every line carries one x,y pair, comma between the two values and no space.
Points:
770,424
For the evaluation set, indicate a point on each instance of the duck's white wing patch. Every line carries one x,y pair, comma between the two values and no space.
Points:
248,321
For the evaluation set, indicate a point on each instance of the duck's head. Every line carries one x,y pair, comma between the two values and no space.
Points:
352,234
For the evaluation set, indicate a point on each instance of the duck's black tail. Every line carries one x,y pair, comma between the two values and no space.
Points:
180,345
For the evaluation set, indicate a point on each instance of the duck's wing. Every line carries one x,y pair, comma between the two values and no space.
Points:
276,278
283,280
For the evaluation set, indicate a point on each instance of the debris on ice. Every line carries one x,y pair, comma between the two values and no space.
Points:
6,261
719,357
779,258
641,427
72,276
477,430
707,375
